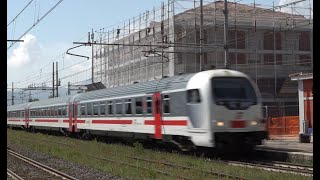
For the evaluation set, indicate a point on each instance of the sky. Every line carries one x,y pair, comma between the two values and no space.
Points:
31,61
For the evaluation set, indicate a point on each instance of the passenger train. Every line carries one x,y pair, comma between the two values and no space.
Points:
212,108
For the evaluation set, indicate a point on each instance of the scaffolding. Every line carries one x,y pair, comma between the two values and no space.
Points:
263,42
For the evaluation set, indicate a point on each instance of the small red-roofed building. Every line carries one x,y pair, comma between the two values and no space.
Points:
305,94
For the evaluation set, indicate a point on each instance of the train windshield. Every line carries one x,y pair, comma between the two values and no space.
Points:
233,90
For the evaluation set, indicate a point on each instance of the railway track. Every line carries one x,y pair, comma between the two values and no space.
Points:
31,169
276,166
13,175
208,173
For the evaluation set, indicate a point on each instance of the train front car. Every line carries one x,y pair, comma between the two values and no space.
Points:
226,107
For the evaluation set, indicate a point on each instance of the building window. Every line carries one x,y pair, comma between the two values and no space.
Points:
237,39
304,41
139,109
268,41
149,105
305,60
95,109
166,104
269,59
179,58
128,106
102,108
237,58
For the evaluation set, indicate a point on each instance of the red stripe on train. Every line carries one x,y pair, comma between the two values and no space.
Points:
13,120
46,120
78,121
112,121
168,122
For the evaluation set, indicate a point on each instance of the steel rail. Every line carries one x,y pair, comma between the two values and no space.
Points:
40,165
278,167
13,175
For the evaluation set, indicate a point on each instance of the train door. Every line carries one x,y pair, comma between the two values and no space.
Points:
157,115
70,117
75,116
26,118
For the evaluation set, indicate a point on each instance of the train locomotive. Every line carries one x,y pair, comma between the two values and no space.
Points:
206,109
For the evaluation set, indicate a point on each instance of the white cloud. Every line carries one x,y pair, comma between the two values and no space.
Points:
302,8
27,52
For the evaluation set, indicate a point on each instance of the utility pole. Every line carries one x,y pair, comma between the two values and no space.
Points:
53,79
201,34
30,99
226,53
69,88
12,97
57,84
92,39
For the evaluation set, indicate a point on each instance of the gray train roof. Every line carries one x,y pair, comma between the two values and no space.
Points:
17,107
51,101
169,83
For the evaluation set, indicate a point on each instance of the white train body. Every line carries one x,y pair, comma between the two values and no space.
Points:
206,108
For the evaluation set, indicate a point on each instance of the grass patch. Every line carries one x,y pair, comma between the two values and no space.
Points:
84,151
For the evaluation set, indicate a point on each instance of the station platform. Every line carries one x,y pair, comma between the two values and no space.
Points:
287,150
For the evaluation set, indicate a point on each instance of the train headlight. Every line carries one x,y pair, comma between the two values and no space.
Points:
220,123
254,123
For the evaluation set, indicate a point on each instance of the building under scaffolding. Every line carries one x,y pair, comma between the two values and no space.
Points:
264,43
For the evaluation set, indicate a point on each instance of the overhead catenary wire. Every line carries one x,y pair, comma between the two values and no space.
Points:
19,13
38,21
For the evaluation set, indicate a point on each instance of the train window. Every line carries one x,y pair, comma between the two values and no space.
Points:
193,96
89,109
119,107
95,109
22,114
48,112
139,109
110,108
233,89
59,111
64,111
149,105
83,110
51,112
128,106
102,108
166,104
55,111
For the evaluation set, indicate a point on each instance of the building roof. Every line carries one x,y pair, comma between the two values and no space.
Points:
242,10
301,76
